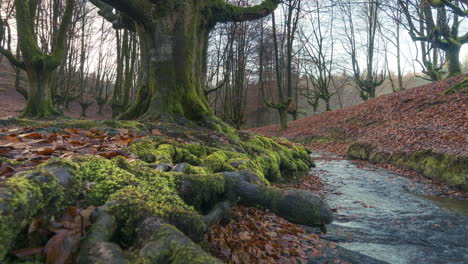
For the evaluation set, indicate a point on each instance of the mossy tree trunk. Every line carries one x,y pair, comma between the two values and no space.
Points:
39,103
434,18
453,60
173,41
38,65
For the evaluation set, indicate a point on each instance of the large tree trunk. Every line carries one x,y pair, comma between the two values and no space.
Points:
39,103
173,56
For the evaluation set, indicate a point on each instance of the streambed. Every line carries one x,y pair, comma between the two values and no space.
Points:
379,215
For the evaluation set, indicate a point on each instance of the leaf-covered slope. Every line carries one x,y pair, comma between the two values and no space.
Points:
418,119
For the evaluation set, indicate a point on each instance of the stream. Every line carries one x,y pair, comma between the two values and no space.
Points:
379,217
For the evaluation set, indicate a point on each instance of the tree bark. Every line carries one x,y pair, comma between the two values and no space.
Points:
283,115
39,103
297,206
453,61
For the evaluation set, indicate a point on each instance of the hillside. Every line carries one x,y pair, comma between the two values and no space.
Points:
419,128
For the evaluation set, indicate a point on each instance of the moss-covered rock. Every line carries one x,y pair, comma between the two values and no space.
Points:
201,191
43,191
278,162
218,162
163,243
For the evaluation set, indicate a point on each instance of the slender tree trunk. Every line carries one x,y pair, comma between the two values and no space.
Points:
327,104
400,74
283,115
100,106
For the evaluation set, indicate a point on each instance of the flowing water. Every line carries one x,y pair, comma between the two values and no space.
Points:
377,216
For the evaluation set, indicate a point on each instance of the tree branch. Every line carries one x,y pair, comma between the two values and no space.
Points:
7,53
455,9
225,12
11,58
118,20
58,51
138,10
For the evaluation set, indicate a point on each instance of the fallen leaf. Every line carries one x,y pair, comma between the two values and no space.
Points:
46,151
62,247
27,252
114,153
245,236
6,168
33,135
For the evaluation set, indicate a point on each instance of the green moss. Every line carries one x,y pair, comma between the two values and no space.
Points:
198,150
153,195
129,124
105,177
24,196
13,163
445,167
147,151
360,151
322,139
74,168
181,252
183,155
189,169
201,191
380,157
448,168
461,87
143,149
218,162
278,161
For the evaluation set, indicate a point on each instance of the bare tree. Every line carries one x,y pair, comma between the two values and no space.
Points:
369,79
283,60
391,31
318,54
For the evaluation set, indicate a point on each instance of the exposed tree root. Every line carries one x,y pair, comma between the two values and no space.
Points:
459,87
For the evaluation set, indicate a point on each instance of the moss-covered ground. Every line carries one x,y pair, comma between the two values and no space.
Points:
139,187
